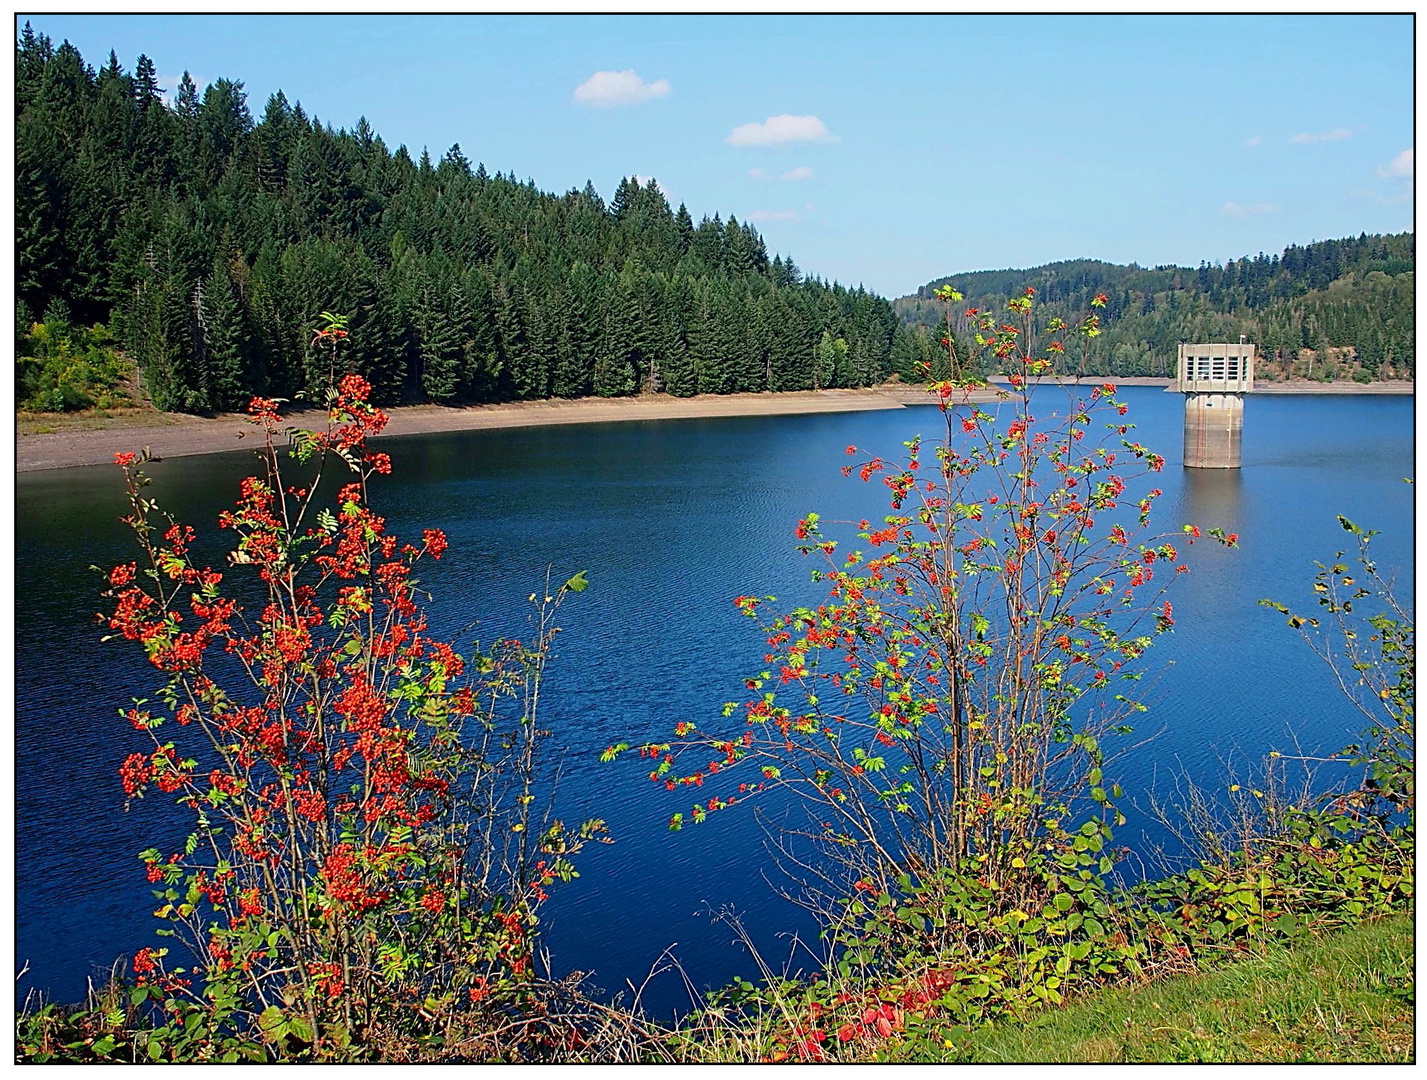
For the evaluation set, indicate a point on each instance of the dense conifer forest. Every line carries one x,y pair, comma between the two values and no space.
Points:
1345,306
209,243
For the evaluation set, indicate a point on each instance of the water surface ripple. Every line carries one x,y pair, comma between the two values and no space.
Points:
671,519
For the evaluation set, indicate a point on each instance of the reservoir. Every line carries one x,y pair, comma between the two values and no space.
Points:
671,520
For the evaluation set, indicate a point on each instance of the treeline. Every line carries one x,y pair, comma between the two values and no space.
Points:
209,243
1344,302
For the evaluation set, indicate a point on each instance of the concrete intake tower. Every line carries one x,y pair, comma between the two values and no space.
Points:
1214,380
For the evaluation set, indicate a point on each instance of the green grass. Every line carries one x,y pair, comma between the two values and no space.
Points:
1344,998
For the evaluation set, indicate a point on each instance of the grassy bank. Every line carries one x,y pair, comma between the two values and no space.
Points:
1347,997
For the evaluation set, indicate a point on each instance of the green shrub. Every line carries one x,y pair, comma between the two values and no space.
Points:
61,368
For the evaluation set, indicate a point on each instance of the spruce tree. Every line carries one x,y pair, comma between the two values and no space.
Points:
437,343
584,329
513,348
146,84
384,344
533,381
684,229
679,376
40,257
223,339
706,343
624,199
480,366
613,374
456,162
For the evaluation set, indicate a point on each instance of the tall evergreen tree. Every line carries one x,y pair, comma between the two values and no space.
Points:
40,257
684,227
223,339
438,344
146,84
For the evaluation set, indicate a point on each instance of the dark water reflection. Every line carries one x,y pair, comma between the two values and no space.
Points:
671,519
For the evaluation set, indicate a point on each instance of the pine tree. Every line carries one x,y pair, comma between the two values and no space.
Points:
583,321
708,244
223,123
223,339
438,345
740,370
706,345
624,199
31,57
613,374
480,366
186,103
146,84
540,334
684,227
738,254
382,342
512,346
40,257
680,377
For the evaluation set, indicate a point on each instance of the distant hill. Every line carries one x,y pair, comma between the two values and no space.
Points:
1331,309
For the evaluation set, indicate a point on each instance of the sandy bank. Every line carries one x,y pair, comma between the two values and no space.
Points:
1303,386
73,442
1261,386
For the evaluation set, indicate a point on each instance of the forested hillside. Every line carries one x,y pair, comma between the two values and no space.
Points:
1337,307
210,242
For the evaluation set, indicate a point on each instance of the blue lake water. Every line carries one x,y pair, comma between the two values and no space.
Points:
672,519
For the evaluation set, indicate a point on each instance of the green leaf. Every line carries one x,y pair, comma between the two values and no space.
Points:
578,583
270,1022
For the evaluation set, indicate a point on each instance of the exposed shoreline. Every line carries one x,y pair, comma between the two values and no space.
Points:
1303,386
75,443
86,441
1261,386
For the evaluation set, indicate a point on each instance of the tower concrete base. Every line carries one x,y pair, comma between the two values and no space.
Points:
1213,430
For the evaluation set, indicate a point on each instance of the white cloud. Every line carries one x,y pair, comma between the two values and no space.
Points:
606,89
802,172
1233,209
1253,141
643,181
1400,167
1335,135
771,215
780,129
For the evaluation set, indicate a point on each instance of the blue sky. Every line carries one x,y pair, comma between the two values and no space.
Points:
880,150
